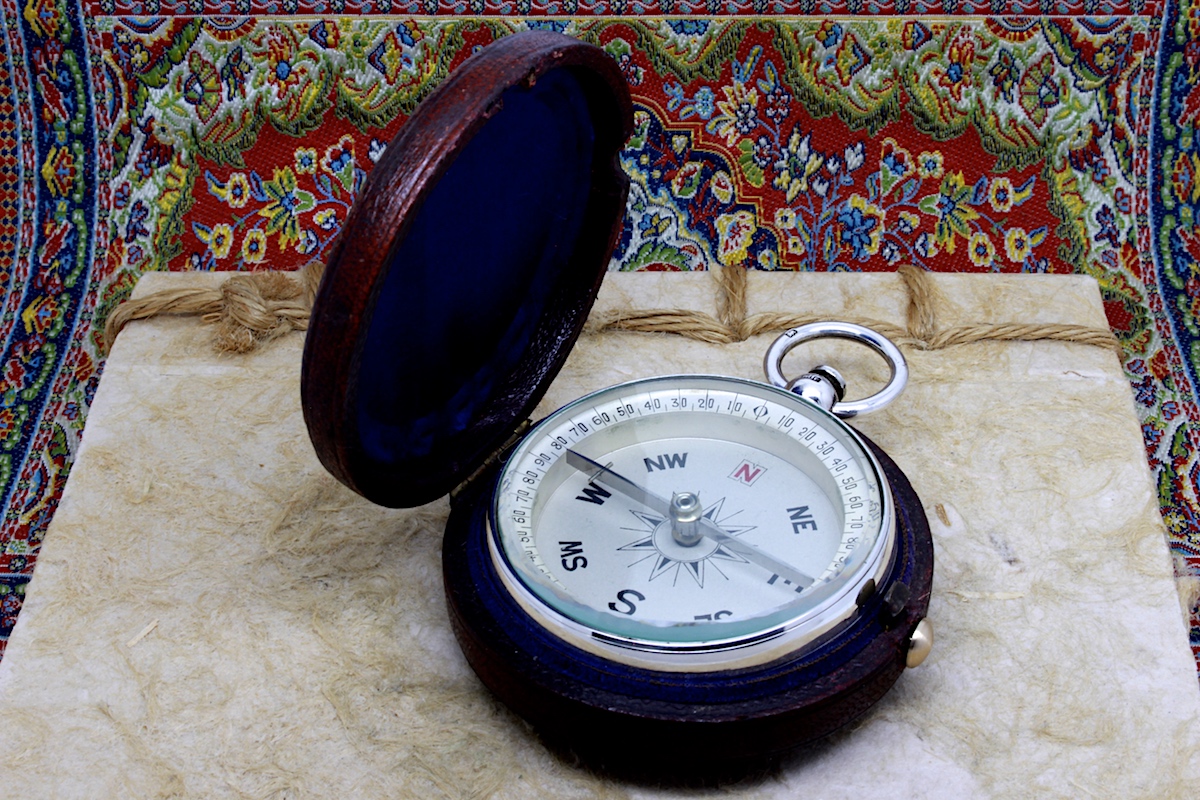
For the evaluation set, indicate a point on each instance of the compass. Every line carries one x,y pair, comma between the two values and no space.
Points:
672,576
710,520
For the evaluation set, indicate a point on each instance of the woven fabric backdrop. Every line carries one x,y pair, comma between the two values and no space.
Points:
1001,136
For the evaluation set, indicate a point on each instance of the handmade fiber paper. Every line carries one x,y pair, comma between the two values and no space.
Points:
214,616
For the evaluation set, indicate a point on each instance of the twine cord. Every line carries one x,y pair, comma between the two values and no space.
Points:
248,309
921,330
251,309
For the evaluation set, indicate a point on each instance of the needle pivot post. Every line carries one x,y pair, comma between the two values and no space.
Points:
686,512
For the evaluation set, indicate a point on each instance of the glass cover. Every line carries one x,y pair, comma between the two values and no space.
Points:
691,510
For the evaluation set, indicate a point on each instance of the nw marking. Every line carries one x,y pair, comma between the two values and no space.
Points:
666,461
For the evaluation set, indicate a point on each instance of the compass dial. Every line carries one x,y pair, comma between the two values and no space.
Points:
691,522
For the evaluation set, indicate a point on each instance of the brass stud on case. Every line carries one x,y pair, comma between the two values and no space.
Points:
919,644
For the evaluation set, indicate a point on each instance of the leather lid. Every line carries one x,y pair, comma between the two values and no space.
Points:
467,267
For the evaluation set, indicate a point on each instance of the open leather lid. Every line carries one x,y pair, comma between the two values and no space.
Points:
467,267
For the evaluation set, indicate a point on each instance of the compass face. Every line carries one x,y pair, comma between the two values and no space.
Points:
690,522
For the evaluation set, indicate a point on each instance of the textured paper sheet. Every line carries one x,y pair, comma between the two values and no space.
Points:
213,616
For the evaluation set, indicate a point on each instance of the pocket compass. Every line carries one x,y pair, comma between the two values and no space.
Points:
672,575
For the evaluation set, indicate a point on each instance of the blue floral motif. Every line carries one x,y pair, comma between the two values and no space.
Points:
558,26
856,230
689,27
404,34
1145,392
702,105
833,36
895,165
1108,226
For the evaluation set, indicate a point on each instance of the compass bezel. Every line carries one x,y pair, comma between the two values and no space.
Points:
798,626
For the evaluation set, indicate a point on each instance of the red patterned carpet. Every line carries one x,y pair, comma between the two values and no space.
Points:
1032,140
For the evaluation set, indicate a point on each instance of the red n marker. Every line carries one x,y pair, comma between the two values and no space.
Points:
748,473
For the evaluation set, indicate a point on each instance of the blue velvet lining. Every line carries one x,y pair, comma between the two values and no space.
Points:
469,282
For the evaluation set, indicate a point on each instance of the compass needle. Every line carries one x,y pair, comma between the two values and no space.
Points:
706,527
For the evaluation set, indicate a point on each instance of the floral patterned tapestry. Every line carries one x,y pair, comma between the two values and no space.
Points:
234,136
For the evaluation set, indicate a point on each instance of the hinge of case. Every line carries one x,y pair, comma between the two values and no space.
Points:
517,435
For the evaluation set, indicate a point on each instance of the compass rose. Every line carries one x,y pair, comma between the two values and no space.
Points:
668,557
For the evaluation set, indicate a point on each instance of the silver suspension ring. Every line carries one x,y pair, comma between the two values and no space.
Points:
773,361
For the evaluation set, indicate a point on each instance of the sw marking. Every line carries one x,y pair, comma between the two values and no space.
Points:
572,556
